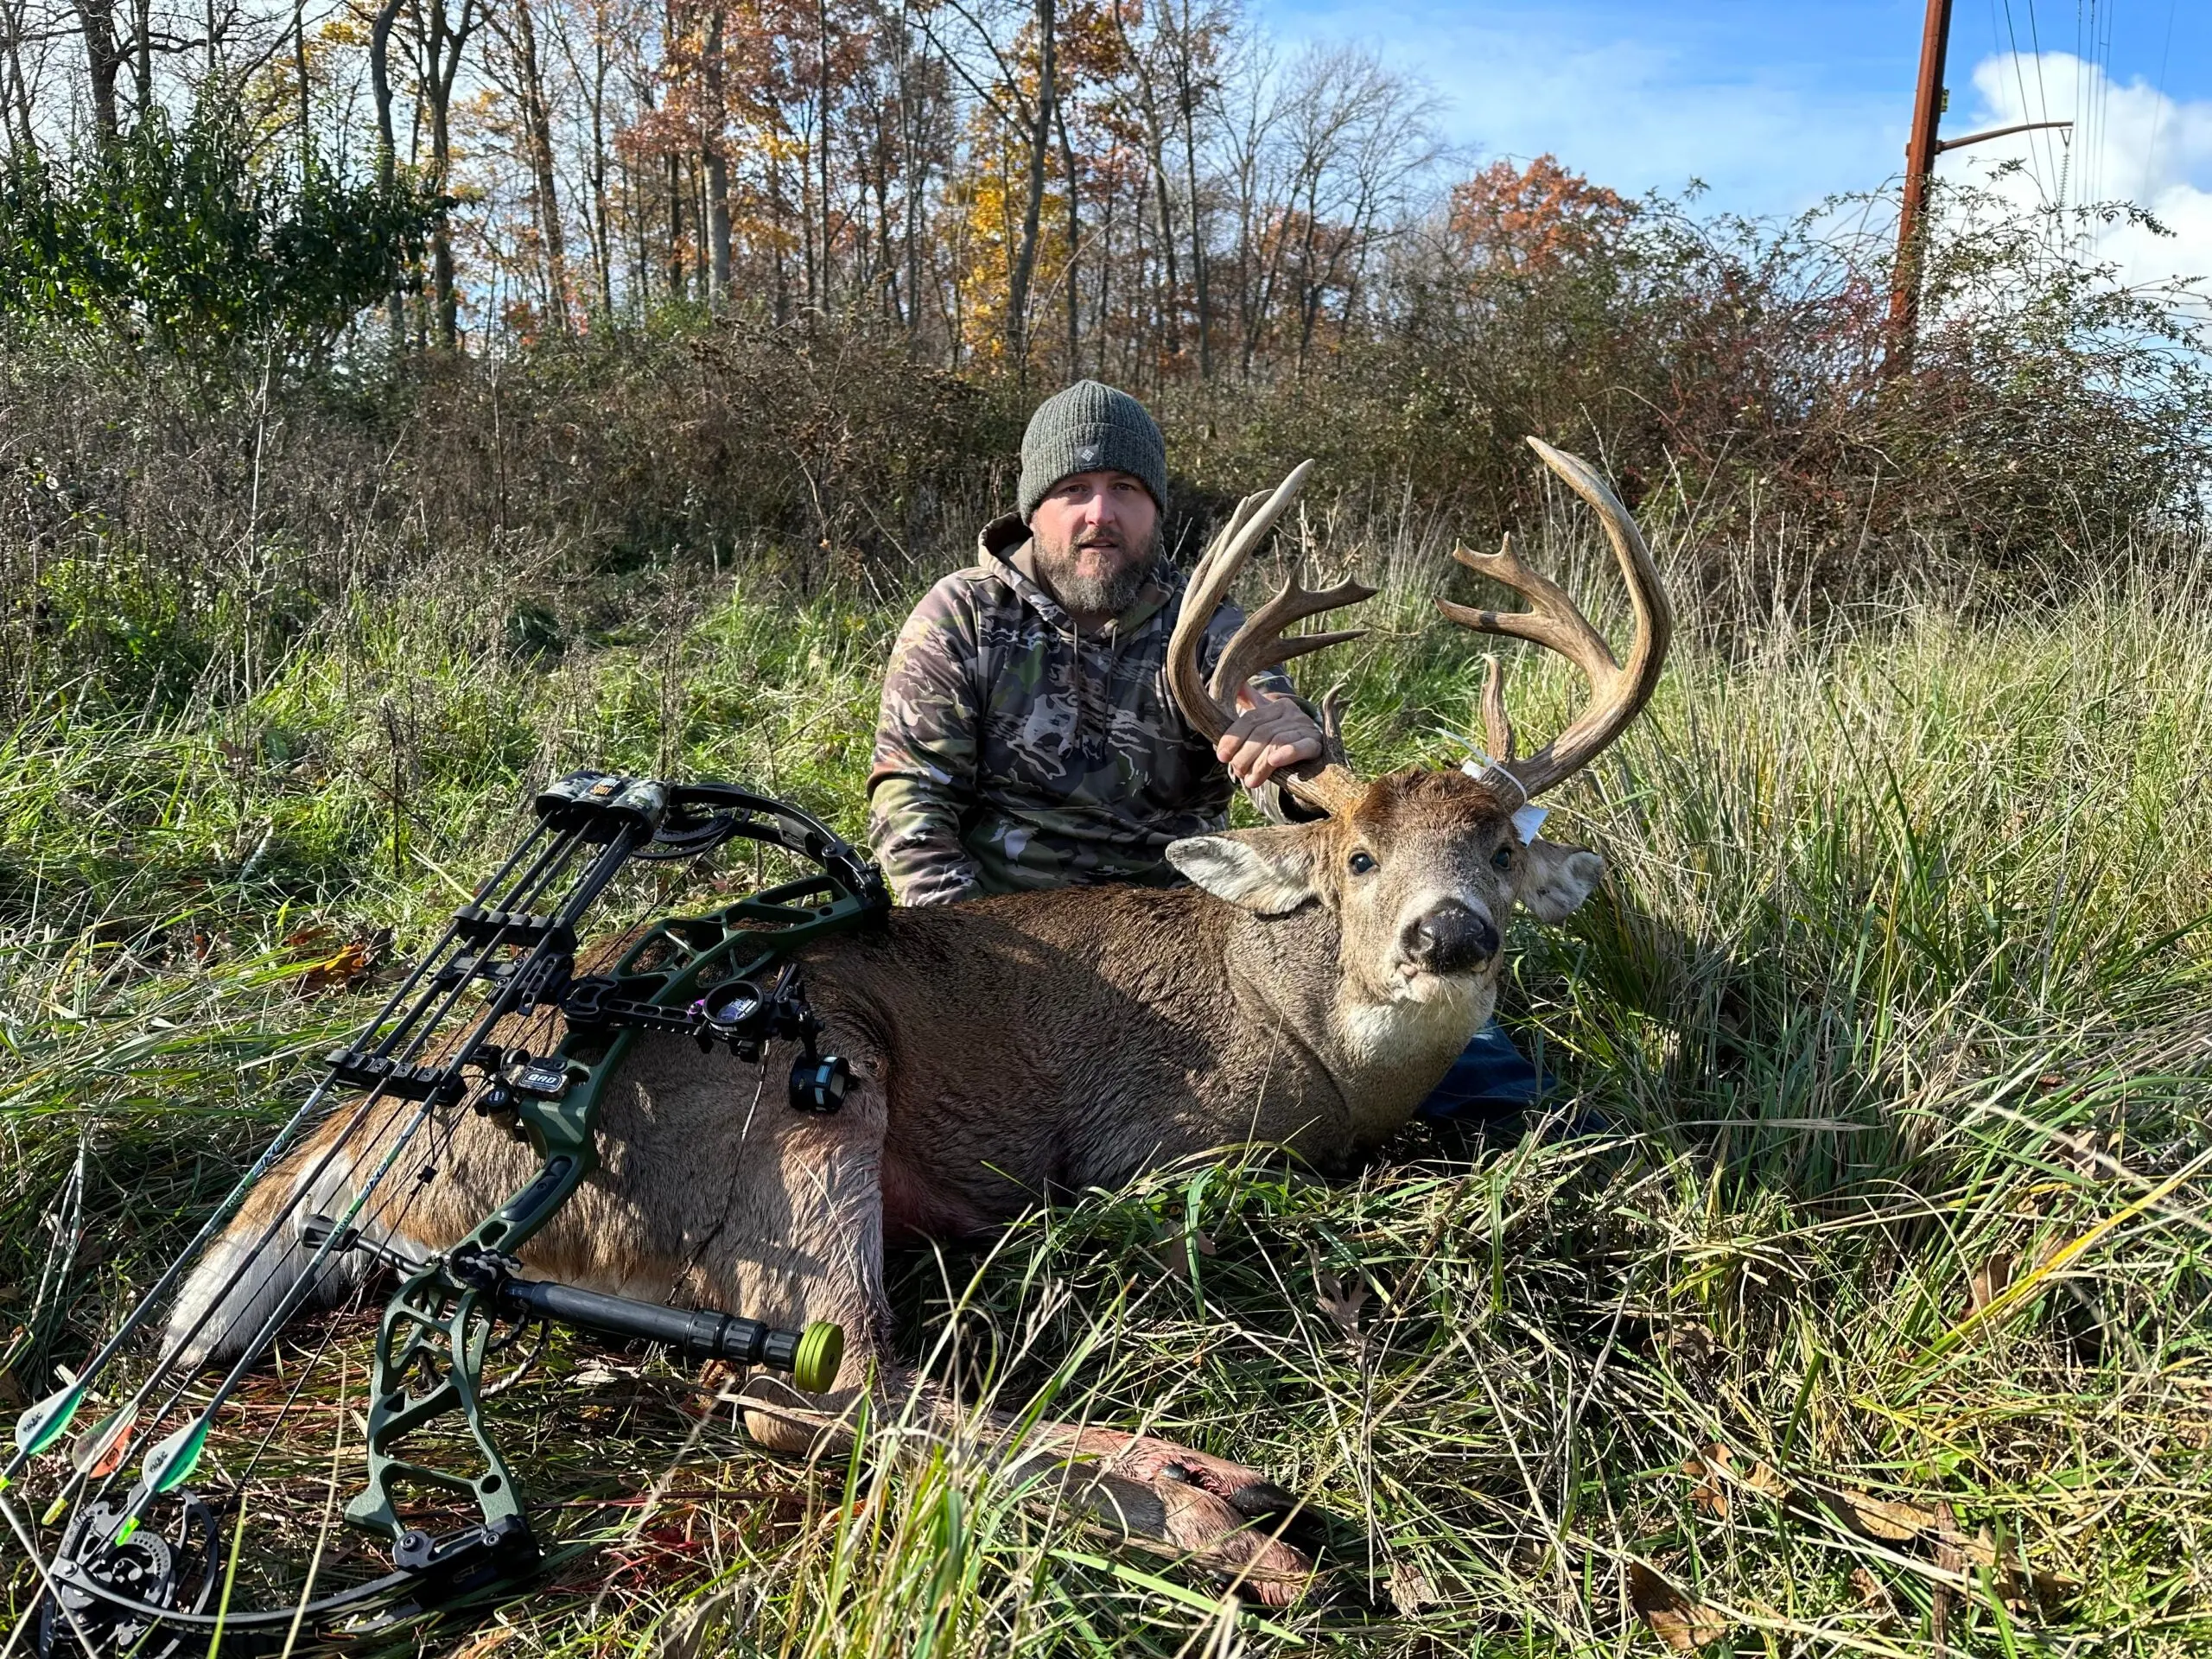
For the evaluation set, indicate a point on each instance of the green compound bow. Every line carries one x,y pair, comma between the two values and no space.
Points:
143,1569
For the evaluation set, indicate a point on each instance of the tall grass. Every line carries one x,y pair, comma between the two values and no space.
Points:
1866,1312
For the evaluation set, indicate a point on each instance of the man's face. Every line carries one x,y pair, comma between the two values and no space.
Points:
1093,537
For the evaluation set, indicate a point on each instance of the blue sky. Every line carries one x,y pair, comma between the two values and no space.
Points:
1775,106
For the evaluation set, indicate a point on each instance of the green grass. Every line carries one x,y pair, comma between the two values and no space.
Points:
1900,979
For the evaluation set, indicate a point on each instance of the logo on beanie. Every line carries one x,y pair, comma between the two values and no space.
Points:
1088,455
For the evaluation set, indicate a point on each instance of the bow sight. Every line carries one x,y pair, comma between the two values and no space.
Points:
154,1565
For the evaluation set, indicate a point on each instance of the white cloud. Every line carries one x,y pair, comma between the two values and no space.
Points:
2130,142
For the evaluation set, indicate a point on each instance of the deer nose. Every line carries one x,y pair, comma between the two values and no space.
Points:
1449,939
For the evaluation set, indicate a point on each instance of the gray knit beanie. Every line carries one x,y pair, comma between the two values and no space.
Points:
1090,428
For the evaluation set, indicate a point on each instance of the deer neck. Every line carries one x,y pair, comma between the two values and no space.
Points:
1383,1054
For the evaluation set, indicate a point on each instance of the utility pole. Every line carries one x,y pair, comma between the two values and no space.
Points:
1920,153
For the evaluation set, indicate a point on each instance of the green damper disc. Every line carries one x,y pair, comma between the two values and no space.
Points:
821,1350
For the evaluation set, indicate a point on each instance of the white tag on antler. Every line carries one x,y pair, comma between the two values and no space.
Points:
1528,817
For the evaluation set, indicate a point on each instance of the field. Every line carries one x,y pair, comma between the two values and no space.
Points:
1851,1298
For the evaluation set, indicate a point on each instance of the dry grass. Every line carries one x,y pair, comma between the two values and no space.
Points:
1871,1317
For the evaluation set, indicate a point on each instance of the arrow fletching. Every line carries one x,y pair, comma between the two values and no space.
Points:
99,1451
43,1424
171,1463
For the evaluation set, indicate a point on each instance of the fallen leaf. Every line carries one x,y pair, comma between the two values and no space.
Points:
1709,1494
1767,1484
354,962
1883,1521
1531,1556
1876,1596
2081,1153
1174,1244
1341,1300
1411,1589
1693,1343
1683,1623
1988,1281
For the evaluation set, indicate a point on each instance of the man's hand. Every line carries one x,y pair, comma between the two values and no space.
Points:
1271,732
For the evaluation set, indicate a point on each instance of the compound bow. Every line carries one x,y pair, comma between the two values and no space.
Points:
143,1569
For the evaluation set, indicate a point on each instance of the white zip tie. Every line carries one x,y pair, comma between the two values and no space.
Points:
1528,817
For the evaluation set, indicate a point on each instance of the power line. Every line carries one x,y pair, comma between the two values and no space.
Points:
2159,112
2019,76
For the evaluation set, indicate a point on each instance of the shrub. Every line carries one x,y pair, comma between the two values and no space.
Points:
174,237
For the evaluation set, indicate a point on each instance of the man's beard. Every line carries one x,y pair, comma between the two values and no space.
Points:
1091,592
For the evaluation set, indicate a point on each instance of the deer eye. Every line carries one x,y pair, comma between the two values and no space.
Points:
1502,859
1361,863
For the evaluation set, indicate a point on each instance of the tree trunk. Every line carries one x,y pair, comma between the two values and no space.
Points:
387,143
1075,242
299,73
20,139
103,64
822,134
1189,98
141,48
675,285
1025,264
915,168
537,130
448,40
711,150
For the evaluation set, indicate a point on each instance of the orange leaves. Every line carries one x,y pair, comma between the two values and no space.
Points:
345,969
1540,216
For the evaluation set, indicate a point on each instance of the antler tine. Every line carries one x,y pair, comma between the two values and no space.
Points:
1201,578
1618,692
1209,584
1261,642
1324,785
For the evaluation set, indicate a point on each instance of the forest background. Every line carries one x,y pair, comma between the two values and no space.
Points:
402,403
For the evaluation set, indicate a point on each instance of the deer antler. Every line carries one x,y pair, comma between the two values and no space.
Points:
1325,784
1617,694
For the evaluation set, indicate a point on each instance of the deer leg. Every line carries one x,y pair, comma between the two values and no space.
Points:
787,1210
1160,1497
1226,1517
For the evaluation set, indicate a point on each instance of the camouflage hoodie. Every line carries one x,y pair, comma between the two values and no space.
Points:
1013,754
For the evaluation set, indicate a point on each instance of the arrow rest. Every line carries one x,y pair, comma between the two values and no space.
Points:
128,1565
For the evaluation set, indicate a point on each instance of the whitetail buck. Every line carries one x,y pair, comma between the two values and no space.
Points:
1309,989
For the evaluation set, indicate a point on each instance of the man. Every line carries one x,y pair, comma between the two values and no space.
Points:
1027,738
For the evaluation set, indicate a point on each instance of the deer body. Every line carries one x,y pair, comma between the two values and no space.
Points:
1309,989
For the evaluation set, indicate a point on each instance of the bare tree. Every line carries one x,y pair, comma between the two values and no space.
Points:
516,32
440,40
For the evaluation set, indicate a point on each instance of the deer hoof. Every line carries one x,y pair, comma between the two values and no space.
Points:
1245,1489
1174,1514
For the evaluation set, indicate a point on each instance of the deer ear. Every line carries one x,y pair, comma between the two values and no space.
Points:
1560,879
1267,871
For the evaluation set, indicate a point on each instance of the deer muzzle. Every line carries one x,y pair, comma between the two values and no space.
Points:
1447,937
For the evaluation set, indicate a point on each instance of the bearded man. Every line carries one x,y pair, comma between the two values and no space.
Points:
1027,738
